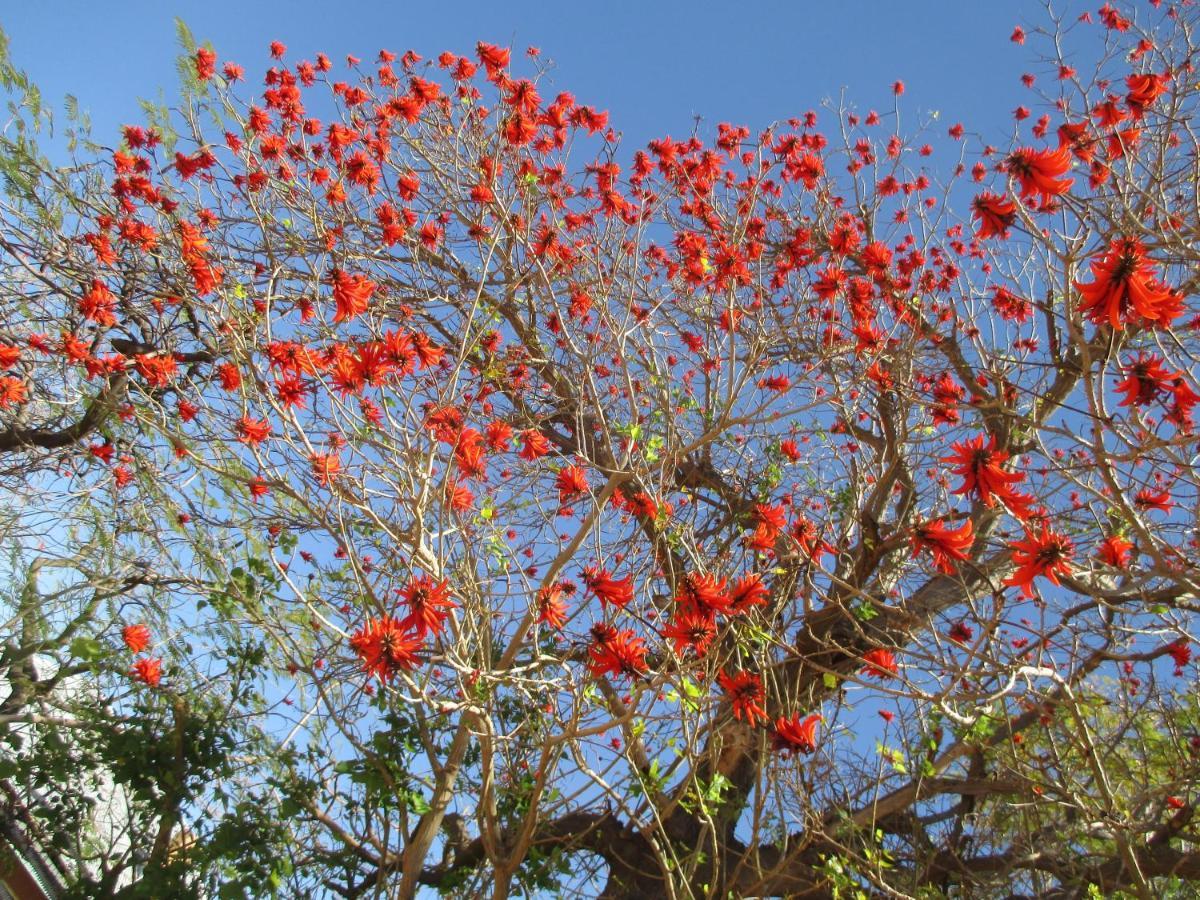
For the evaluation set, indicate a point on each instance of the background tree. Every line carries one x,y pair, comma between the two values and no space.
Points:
716,519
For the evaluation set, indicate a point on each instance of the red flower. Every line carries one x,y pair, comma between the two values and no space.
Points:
601,583
493,58
1147,499
552,609
704,594
769,520
147,670
325,467
351,294
231,378
745,692
948,545
795,735
1124,286
1181,652
1145,380
253,431
995,214
947,394
1114,551
136,637
748,591
1143,91
533,445
960,632
99,304
1039,171
206,63
12,391
429,606
1046,554
880,663
616,652
691,629
808,537
980,468
571,482
385,648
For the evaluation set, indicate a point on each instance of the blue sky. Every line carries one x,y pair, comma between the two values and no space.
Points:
654,65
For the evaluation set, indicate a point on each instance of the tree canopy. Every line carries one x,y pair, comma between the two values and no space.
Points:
408,489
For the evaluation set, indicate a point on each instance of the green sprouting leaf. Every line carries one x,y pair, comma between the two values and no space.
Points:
87,649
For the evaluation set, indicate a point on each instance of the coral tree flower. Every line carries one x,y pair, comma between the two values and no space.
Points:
691,630
949,546
616,652
880,663
384,647
981,468
745,692
995,215
1046,554
600,582
136,637
1146,379
429,606
147,670
1039,171
795,735
351,294
1124,289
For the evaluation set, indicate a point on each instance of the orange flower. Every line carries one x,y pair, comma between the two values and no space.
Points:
533,445
747,591
1039,171
948,545
571,482
147,670
1143,91
745,691
12,391
691,629
99,304
980,468
705,594
1124,285
325,467
385,648
136,637
1145,380
1114,551
253,431
351,293
795,735
880,663
601,583
995,214
552,609
429,606
1046,554
616,652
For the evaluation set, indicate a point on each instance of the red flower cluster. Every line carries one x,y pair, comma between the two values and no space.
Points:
1046,554
385,647
1125,290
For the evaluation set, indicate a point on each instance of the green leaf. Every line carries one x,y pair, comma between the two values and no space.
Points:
88,649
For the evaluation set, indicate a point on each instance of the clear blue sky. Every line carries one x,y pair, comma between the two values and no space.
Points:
654,65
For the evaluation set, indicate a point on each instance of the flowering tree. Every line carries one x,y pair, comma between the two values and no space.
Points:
716,519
